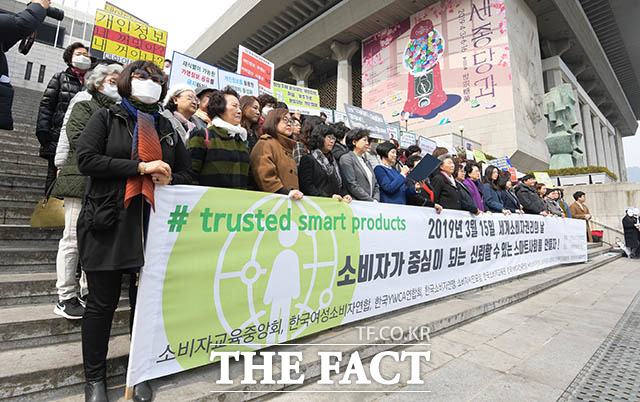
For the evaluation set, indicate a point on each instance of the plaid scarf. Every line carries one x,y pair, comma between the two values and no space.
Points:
329,166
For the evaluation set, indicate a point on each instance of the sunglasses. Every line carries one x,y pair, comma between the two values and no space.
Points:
145,75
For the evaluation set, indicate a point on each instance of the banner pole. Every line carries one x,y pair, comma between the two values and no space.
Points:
128,393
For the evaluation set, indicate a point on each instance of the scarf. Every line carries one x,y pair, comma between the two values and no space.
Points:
203,116
234,131
79,74
329,166
187,124
145,146
451,179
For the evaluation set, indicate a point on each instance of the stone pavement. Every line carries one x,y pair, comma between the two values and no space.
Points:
530,351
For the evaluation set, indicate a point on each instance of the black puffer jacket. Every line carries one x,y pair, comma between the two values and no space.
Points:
55,101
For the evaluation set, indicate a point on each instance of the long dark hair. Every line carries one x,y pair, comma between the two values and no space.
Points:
246,102
487,177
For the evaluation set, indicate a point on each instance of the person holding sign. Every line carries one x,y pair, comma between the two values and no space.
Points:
126,149
220,155
319,172
356,170
393,184
272,165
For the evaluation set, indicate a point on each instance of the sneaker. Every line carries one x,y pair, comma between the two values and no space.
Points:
69,309
83,301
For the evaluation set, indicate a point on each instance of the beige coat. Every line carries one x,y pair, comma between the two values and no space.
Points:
579,213
272,164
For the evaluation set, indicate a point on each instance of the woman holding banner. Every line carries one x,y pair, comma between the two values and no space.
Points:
272,165
220,156
126,150
357,172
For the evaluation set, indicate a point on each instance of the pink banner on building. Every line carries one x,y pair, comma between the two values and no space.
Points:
447,63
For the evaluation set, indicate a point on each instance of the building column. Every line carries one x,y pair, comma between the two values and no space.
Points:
607,147
622,164
597,133
580,128
614,155
553,78
301,74
343,53
591,158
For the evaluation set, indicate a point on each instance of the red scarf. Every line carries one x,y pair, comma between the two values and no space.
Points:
146,147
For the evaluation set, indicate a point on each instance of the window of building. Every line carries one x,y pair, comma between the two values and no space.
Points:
43,69
27,71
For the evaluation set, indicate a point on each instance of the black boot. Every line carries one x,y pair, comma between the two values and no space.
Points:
96,391
142,392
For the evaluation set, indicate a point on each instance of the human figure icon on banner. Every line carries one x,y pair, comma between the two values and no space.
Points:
284,283
421,59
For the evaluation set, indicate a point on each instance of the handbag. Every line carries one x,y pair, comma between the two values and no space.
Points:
49,213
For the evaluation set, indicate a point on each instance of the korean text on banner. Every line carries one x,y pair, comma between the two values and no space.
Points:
426,145
252,64
502,163
298,99
186,70
123,39
372,121
543,177
407,139
339,117
242,84
264,269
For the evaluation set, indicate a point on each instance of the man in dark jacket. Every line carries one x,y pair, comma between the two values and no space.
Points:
62,87
631,232
12,29
529,198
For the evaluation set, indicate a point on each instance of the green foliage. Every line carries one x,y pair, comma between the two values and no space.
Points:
578,170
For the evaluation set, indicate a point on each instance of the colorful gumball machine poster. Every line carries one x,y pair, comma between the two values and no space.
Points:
445,64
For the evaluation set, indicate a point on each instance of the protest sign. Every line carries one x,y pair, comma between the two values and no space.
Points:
339,117
113,9
243,85
407,139
372,121
502,163
329,114
426,145
514,174
298,99
233,270
251,64
186,70
479,156
543,177
123,39
394,132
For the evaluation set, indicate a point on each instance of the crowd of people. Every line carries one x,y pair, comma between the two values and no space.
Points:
111,133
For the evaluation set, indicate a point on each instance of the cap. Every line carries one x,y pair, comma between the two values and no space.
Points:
176,91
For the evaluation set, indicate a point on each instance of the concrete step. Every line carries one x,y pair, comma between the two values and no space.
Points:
22,183
9,146
21,195
26,232
439,315
29,159
16,256
16,215
16,169
30,326
26,142
28,268
30,371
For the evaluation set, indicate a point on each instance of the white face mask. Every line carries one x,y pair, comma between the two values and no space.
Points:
167,70
266,110
111,91
81,62
630,211
146,91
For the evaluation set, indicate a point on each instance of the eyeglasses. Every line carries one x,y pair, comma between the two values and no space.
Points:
331,137
286,121
145,75
192,98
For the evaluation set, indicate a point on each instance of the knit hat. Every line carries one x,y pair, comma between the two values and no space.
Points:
176,90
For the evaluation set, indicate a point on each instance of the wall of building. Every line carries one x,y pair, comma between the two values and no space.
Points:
607,203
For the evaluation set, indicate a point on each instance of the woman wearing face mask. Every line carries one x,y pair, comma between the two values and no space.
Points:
126,149
250,119
272,165
222,158
70,186
180,105
55,100
267,104
631,232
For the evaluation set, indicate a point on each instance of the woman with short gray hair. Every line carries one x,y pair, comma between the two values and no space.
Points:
101,85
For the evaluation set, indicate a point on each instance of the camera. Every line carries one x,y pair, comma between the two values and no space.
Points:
55,13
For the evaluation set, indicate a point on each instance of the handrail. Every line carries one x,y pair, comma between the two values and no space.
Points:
608,227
